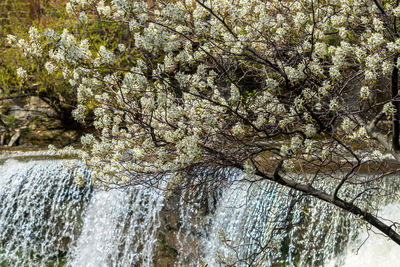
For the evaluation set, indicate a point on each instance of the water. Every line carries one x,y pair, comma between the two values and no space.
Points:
274,228
371,249
47,220
120,229
41,211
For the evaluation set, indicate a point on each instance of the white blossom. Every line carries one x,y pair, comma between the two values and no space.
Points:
389,109
310,130
364,92
121,48
82,17
79,112
21,73
347,125
334,105
11,39
105,55
34,33
49,67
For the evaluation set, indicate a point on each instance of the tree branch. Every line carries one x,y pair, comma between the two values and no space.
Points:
347,206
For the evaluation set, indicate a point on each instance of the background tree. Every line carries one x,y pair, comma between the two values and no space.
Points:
301,93
17,19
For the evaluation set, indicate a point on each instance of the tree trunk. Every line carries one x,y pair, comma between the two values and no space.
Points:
34,9
396,104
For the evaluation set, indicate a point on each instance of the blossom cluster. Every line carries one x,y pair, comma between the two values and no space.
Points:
216,82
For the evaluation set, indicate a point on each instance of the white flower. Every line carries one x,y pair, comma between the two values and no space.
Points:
285,151
79,113
271,83
295,143
22,43
11,39
103,10
334,72
82,17
300,19
334,105
34,33
49,67
87,139
69,8
320,49
106,56
370,76
298,103
318,106
378,25
280,32
121,48
389,109
364,92
309,146
50,34
377,155
387,67
21,73
133,25
347,125
288,164
362,132
376,39
235,94
325,153
238,129
338,20
310,130
295,74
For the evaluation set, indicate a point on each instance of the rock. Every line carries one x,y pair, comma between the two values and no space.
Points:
3,139
15,139
181,228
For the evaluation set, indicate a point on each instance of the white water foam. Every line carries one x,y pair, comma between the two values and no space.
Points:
119,229
371,249
252,217
42,211
40,207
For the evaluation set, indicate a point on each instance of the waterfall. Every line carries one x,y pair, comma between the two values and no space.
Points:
371,249
120,229
40,214
264,224
47,220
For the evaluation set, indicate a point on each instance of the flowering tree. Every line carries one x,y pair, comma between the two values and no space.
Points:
302,93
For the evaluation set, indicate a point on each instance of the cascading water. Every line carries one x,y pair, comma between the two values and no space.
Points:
371,249
40,212
46,220
120,229
263,224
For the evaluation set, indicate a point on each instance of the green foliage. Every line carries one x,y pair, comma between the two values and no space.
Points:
12,122
16,19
